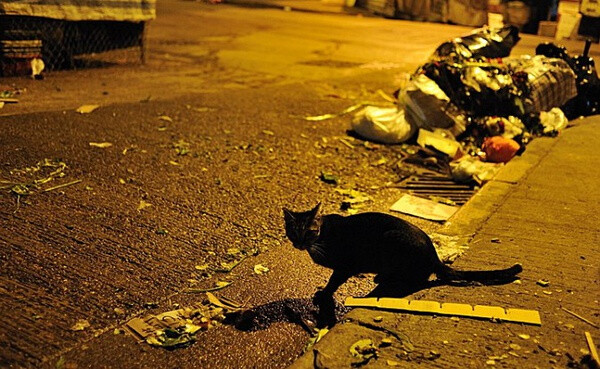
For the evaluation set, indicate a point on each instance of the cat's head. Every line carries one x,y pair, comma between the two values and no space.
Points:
302,228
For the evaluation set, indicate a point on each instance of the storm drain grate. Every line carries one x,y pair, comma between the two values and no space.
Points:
439,188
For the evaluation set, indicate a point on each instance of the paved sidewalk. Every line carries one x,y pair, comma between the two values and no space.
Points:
541,211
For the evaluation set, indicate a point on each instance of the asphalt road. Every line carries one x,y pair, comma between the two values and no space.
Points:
208,144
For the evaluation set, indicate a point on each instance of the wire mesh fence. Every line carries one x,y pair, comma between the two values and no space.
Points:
67,44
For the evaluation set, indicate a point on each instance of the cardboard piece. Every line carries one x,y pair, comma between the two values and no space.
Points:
423,208
447,308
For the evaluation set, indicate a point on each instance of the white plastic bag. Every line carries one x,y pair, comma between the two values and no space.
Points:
385,125
553,121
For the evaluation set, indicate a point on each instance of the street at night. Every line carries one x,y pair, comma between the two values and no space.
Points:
174,183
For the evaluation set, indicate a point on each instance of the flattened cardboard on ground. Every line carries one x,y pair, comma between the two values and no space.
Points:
447,308
423,208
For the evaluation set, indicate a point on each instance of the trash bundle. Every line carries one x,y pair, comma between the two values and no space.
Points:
472,102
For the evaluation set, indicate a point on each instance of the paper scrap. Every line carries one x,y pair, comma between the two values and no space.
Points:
423,208
447,308
86,109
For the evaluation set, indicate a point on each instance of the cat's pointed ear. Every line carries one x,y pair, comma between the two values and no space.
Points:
315,210
287,214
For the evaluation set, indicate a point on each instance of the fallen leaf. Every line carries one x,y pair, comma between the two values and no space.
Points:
80,325
543,282
86,109
260,269
102,145
143,205
329,178
514,346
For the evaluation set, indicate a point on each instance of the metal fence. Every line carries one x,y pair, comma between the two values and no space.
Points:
67,44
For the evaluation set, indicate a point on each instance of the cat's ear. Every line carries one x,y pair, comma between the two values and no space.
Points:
287,214
315,210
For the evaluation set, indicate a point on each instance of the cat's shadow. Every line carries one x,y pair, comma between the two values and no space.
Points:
305,313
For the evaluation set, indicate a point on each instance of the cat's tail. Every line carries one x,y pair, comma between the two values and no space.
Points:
449,274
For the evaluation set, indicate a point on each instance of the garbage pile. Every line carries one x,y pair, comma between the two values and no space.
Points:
475,104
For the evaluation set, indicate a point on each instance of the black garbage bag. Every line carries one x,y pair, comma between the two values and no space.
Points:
482,42
587,101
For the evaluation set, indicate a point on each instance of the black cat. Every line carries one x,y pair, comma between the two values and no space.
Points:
379,243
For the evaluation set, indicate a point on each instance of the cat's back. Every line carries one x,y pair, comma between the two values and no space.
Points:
371,223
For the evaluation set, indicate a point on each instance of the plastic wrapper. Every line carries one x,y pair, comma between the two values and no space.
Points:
385,125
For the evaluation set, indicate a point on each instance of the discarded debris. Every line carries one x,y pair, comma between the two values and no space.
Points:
143,205
581,318
260,269
385,125
423,208
86,109
329,178
80,325
543,282
454,309
364,350
62,185
101,145
317,118
592,348
177,328
320,333
165,118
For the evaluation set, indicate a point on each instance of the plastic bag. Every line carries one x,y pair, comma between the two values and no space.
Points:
499,149
385,125
483,42
470,168
553,121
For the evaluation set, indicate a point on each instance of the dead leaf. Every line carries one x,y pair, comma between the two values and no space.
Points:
260,269
86,109
102,145
80,325
143,205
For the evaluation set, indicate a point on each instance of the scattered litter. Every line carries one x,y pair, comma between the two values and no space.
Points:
385,125
101,145
165,118
219,285
260,269
62,185
329,178
496,240
423,208
268,133
434,307
524,336
350,109
469,168
543,282
553,121
86,109
143,205
440,142
80,325
592,348
364,350
177,328
581,318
